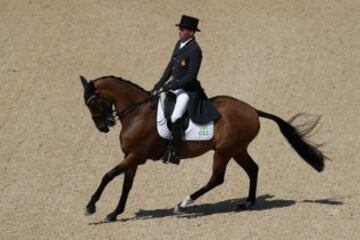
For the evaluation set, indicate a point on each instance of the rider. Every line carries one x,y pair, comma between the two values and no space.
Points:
180,77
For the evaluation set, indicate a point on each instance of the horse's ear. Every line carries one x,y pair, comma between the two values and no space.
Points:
88,88
84,82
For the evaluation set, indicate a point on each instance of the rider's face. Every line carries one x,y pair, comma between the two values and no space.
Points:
185,34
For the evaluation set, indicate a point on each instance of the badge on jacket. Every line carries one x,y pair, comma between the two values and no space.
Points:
183,63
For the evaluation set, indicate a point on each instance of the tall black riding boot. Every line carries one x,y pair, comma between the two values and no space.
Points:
177,133
174,149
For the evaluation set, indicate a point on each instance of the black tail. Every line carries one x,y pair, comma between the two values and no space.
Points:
297,138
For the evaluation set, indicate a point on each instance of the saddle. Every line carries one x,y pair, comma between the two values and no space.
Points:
191,131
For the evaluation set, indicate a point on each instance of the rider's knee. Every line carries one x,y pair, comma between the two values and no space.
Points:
184,97
182,100
175,117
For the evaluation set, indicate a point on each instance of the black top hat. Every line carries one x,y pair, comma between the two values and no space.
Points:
189,22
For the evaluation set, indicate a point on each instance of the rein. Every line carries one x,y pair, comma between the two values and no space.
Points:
132,107
128,109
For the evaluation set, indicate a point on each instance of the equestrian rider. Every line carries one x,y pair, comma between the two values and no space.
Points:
180,77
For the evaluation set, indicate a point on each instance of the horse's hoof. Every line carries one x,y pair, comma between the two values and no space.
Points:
244,206
110,218
252,201
179,209
89,210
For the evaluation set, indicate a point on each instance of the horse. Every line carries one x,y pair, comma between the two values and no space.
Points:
111,97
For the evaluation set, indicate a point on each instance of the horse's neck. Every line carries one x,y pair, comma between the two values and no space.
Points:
124,94
126,97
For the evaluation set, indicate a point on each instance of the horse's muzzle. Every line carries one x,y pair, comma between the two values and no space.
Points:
111,121
104,129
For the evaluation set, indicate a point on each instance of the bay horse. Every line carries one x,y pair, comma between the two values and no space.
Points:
109,97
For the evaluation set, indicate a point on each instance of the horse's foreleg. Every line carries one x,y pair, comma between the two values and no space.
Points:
127,163
252,169
108,177
127,185
217,178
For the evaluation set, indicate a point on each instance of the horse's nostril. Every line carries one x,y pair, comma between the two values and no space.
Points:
111,121
105,130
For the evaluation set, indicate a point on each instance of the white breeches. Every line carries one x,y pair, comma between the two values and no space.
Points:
182,100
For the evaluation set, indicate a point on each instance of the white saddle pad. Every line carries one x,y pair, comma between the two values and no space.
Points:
194,132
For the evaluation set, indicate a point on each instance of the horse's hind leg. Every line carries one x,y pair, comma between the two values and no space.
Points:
217,178
252,169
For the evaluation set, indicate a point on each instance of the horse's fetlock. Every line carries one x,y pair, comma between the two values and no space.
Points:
220,181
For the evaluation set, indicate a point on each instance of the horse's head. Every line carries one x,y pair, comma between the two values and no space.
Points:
100,106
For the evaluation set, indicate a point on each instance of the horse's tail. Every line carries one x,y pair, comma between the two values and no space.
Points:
309,151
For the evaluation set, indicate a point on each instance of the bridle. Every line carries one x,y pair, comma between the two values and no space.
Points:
114,113
104,98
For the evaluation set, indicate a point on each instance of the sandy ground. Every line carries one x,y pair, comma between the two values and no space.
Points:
283,57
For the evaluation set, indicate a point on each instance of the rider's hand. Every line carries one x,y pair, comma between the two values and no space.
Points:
156,87
167,87
153,92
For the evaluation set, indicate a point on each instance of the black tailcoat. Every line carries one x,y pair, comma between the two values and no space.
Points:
184,66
